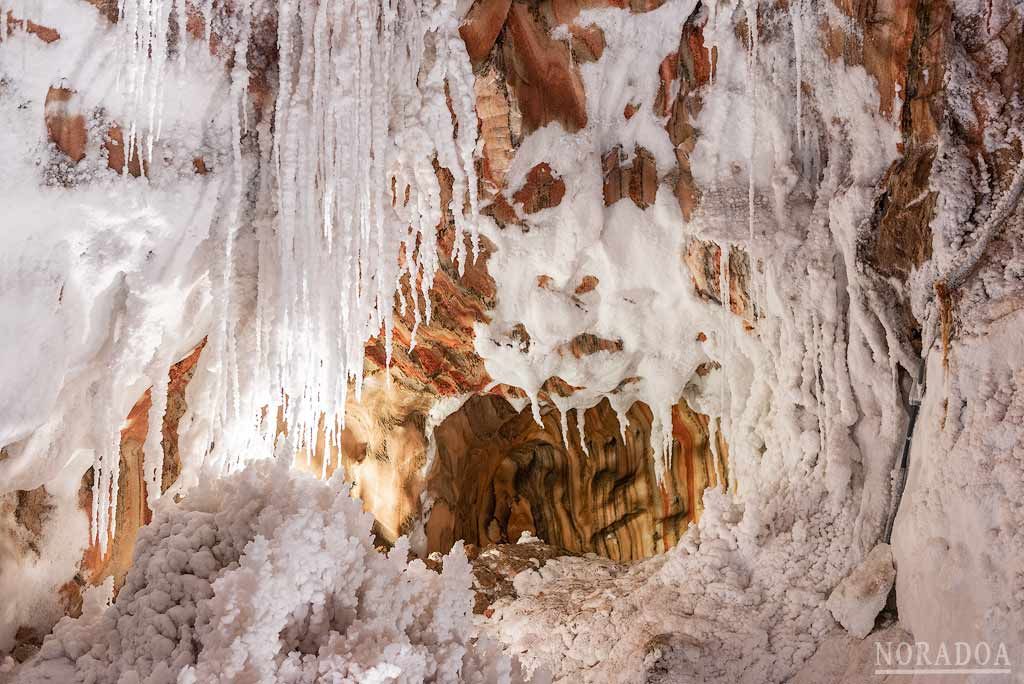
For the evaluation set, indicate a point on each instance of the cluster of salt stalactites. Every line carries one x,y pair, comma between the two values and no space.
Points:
362,113
340,203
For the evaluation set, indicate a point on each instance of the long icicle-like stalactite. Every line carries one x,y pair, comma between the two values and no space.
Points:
371,94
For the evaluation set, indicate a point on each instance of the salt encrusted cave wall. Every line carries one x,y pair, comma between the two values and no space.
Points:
450,447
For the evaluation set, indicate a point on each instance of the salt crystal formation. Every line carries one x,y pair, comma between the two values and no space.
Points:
859,598
371,95
271,576
776,213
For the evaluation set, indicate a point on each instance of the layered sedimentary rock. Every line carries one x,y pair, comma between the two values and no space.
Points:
492,474
497,474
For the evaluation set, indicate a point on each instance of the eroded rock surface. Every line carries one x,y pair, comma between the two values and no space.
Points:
497,474
495,569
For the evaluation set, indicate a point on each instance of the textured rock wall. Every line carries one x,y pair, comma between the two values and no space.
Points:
497,474
493,473
383,452
607,502
956,542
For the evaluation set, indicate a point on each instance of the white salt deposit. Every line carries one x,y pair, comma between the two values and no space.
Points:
270,575
287,257
860,597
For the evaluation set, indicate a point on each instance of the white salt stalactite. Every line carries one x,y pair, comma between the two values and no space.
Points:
563,405
661,440
363,98
228,417
716,460
535,408
726,342
181,17
362,114
105,488
581,427
563,420
152,448
206,9
621,409
145,23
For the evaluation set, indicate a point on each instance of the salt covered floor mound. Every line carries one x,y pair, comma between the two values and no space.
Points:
270,575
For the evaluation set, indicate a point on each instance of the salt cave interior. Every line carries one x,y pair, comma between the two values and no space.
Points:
494,341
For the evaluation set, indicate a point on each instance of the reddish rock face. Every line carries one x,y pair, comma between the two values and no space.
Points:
499,129
43,33
586,42
589,283
704,261
903,238
115,147
482,25
542,190
64,125
547,86
692,66
108,8
444,361
66,129
884,46
585,344
636,179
